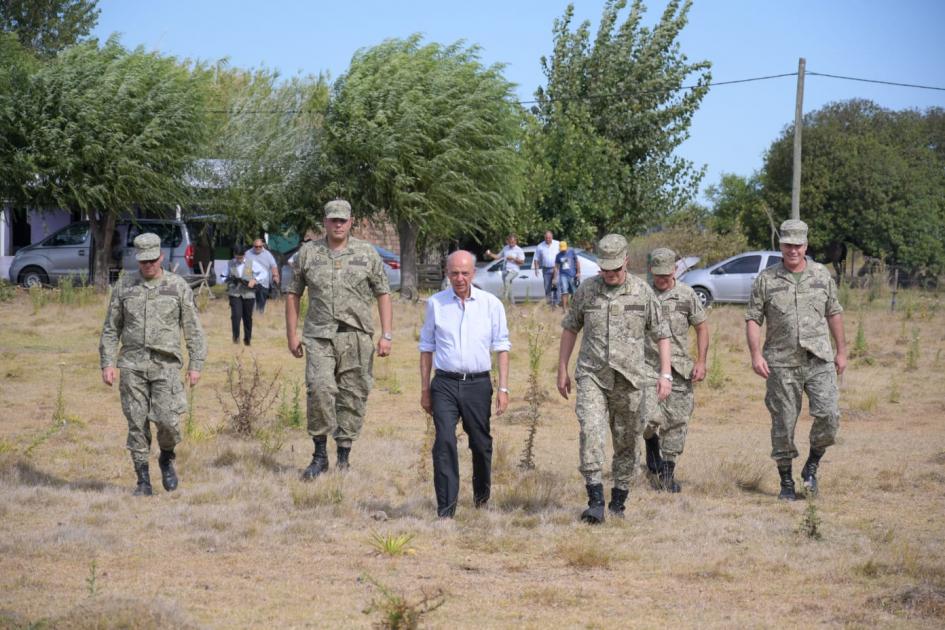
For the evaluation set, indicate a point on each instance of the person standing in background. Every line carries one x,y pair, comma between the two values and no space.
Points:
545,253
259,253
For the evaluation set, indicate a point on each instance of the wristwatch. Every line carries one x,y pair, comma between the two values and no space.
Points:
504,390
387,336
668,377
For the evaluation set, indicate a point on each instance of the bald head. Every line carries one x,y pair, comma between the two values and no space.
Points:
460,269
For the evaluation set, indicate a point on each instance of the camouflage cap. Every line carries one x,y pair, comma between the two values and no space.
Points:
793,232
612,252
662,262
147,246
338,209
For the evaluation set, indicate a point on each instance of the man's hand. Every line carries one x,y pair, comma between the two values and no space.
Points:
760,366
564,383
383,347
663,388
698,372
192,377
251,284
108,375
840,361
426,403
295,346
501,403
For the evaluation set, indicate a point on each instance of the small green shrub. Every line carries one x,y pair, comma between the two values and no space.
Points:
7,291
396,612
810,524
39,298
715,378
912,355
391,544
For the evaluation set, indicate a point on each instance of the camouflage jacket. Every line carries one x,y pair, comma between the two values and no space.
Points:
616,322
682,308
796,313
237,285
147,317
341,286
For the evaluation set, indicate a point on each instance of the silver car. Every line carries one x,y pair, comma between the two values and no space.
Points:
66,253
731,279
529,284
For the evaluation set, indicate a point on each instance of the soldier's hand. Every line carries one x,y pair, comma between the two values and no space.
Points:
760,366
564,383
501,403
840,361
251,284
193,376
425,401
295,347
663,388
698,372
108,375
383,347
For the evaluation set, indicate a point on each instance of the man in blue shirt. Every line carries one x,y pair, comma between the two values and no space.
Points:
462,327
567,271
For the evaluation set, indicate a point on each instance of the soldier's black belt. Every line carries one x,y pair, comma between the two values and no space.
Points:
347,328
460,376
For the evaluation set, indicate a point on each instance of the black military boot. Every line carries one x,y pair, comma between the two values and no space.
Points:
594,514
653,458
168,474
144,481
667,472
343,452
787,484
809,471
319,462
617,499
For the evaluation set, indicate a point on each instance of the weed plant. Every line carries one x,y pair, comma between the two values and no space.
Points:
859,344
7,291
391,545
810,524
91,582
39,298
290,407
716,378
535,395
60,418
912,356
396,612
937,362
894,393
248,396
429,434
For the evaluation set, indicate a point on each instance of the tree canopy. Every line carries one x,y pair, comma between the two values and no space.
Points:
48,26
612,113
427,135
871,177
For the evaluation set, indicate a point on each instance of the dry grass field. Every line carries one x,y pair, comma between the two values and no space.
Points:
244,543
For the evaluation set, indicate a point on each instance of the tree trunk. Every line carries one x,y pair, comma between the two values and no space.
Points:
408,233
102,230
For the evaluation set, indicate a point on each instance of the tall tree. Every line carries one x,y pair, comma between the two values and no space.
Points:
872,177
114,130
427,135
16,67
48,26
614,109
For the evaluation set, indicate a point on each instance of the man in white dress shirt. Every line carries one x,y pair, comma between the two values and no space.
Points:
545,254
462,327
513,257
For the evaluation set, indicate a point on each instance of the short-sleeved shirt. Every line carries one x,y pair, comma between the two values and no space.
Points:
796,312
545,254
342,285
616,321
566,262
147,317
264,258
516,252
682,308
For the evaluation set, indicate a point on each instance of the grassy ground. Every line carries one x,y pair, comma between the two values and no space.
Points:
243,543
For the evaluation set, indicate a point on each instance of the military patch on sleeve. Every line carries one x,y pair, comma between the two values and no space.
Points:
683,307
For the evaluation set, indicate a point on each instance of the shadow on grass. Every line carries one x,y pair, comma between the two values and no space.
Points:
24,473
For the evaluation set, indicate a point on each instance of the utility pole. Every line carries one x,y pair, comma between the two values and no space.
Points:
798,116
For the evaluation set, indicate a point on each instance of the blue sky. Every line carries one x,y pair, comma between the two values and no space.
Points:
889,40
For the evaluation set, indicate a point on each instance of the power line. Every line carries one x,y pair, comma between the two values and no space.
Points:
908,85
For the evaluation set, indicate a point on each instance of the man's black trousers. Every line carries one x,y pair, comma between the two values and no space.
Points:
471,400
241,309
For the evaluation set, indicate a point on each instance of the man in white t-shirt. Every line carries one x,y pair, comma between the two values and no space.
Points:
259,253
513,258
545,254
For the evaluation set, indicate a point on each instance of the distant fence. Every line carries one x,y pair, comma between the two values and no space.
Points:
429,276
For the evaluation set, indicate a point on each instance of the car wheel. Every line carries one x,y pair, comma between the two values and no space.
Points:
704,296
33,277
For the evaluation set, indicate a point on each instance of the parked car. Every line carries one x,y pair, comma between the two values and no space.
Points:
731,279
391,266
529,284
67,252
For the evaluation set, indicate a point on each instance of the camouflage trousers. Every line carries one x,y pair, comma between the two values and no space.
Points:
670,418
785,386
154,394
619,407
338,379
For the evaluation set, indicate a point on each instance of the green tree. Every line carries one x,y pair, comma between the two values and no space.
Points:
113,130
428,136
612,113
870,177
738,206
48,26
16,67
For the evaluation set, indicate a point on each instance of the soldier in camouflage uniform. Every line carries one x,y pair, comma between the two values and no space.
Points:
616,311
146,314
668,421
343,276
798,299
